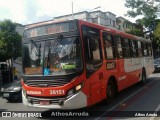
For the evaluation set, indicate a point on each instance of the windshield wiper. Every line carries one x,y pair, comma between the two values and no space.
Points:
39,54
48,59
33,43
37,49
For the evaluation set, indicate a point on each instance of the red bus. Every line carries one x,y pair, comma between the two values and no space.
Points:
74,64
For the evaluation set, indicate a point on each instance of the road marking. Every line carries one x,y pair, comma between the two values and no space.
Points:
156,110
111,109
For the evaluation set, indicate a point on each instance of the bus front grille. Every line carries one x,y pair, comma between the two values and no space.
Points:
51,100
46,83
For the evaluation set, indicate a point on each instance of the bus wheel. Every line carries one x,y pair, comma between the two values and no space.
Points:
143,80
111,90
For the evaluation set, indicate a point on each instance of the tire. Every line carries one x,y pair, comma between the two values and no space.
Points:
143,80
111,90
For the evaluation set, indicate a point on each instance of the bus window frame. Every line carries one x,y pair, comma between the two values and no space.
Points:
116,38
98,64
139,49
113,46
126,47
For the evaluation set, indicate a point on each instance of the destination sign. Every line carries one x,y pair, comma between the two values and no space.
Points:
50,29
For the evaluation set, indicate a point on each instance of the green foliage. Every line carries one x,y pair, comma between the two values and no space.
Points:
148,8
136,32
157,33
10,40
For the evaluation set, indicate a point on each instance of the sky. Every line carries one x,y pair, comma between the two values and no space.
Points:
32,11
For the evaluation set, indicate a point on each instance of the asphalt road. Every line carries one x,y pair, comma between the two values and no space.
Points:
133,103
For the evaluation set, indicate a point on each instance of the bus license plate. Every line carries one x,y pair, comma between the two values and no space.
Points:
44,102
5,95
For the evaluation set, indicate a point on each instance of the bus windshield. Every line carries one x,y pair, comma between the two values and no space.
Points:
59,56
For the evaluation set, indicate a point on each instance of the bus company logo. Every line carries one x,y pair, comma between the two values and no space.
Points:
6,114
122,78
42,85
34,92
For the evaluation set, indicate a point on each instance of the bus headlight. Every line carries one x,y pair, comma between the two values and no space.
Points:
79,87
75,90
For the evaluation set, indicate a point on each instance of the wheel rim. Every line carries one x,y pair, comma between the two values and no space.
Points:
110,90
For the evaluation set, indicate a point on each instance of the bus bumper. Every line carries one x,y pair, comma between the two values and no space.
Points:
79,100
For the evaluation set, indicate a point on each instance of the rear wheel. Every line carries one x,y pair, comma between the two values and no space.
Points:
143,79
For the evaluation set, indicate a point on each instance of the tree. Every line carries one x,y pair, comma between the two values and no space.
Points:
156,33
147,8
136,32
10,40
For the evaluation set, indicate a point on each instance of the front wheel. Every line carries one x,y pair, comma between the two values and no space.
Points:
111,90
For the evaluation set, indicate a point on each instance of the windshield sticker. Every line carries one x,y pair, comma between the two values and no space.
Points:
46,71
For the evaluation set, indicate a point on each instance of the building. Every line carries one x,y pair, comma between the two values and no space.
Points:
126,26
107,19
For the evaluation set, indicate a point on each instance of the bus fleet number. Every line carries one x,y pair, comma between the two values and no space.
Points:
57,92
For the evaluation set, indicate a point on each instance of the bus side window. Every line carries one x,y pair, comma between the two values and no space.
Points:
136,48
109,45
144,49
149,51
126,48
93,53
133,48
118,41
139,51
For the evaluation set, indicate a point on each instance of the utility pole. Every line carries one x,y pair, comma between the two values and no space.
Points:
72,11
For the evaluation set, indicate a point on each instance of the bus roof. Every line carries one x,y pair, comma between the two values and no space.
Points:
114,31
90,24
41,23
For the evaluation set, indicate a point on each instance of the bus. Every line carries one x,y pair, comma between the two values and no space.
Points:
75,64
